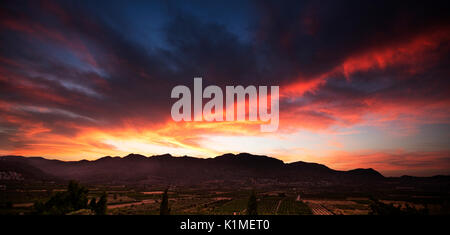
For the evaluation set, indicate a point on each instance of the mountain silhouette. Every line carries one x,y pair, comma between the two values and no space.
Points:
136,168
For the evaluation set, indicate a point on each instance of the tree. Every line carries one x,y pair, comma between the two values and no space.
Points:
77,195
93,204
252,207
379,208
101,205
75,198
164,210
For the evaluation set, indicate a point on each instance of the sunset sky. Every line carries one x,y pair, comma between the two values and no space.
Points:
363,84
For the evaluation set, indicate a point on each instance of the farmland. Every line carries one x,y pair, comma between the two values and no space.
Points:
214,200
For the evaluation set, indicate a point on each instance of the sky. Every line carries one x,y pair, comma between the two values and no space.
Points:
363,84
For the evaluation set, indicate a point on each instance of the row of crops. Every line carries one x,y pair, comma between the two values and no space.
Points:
273,205
266,206
289,206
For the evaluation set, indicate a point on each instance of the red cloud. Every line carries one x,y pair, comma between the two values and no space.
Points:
410,107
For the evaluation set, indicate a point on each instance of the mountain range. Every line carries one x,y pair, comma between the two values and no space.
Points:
167,169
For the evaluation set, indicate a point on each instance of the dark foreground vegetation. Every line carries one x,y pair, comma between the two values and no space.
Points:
72,201
77,199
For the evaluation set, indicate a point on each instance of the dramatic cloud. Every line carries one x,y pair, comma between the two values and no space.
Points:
81,80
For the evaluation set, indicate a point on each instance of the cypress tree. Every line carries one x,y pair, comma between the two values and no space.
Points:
164,210
93,204
101,205
252,207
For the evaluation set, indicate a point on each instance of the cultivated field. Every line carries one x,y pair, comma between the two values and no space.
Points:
212,200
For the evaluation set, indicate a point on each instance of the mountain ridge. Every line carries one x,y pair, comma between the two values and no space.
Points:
137,168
